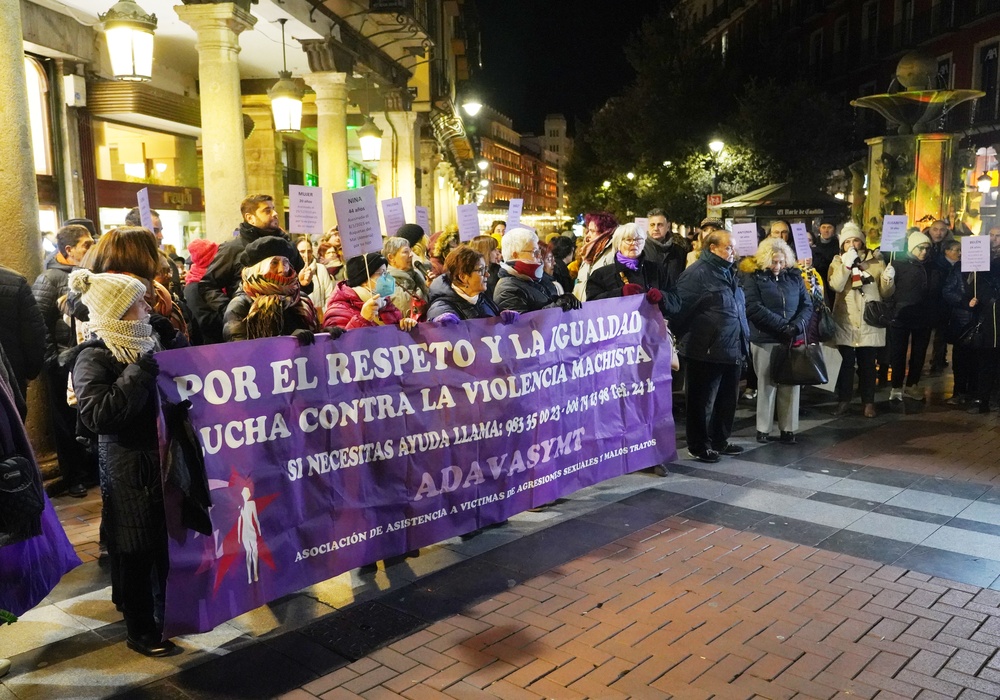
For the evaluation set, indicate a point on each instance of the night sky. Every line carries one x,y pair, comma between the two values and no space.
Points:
545,56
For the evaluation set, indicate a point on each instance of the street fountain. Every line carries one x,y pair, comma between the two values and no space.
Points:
915,171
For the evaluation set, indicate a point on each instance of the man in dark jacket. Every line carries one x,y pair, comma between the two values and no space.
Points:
664,248
75,463
223,277
714,339
940,234
825,248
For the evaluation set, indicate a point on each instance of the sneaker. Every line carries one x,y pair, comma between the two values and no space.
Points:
750,395
787,438
915,392
730,450
895,394
708,456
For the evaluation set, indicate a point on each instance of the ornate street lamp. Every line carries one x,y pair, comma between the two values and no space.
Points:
471,104
285,95
715,146
369,135
984,183
129,33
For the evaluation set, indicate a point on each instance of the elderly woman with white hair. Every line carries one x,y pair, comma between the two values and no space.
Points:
523,284
629,272
778,309
411,295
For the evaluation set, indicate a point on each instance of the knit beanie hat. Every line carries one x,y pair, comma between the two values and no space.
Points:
413,233
358,273
202,254
915,239
850,231
107,295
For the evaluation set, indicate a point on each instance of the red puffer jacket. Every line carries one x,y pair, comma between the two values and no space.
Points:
344,310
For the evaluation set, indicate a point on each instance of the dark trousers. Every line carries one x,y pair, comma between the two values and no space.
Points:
987,360
939,348
712,393
138,579
963,364
862,359
76,463
900,340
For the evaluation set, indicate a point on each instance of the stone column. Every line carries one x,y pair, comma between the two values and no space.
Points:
403,124
218,27
19,236
263,152
331,136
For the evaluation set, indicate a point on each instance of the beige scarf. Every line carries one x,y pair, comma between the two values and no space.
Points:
126,340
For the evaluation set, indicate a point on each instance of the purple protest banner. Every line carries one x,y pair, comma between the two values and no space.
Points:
324,457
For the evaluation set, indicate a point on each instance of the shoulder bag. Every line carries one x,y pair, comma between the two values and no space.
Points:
798,364
21,500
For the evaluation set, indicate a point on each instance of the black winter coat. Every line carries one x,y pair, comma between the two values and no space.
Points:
959,289
224,277
711,322
823,253
445,300
671,258
918,299
606,282
118,403
48,287
773,303
22,330
519,293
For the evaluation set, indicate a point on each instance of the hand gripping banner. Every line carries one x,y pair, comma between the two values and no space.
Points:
328,456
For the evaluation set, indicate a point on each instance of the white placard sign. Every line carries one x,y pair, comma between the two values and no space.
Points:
894,233
642,224
801,239
468,222
975,254
424,220
357,216
514,213
145,213
392,214
745,238
305,209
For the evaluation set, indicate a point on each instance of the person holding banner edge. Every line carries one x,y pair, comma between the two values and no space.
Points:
364,298
523,285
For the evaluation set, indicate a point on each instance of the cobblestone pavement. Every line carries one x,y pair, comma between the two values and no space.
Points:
862,562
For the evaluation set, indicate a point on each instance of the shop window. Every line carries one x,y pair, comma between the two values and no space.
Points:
39,117
132,154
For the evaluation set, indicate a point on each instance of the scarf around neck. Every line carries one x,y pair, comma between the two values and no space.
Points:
126,340
630,263
272,293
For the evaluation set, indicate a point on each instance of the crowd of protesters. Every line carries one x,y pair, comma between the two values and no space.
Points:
95,318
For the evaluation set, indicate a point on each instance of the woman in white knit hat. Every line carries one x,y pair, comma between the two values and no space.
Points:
114,376
857,275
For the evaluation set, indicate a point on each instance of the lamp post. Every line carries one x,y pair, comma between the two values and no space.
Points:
984,183
129,33
716,147
369,135
471,103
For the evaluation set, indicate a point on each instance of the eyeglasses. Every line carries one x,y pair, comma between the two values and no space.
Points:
536,253
633,240
481,269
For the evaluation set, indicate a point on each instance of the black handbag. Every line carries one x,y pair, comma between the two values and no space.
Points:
879,314
826,327
21,500
798,364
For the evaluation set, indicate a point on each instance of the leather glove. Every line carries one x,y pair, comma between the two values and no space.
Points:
632,288
304,336
849,258
654,296
788,332
568,302
335,332
508,316
163,328
889,273
448,319
148,364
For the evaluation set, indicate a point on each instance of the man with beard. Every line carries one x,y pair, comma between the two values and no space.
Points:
224,276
